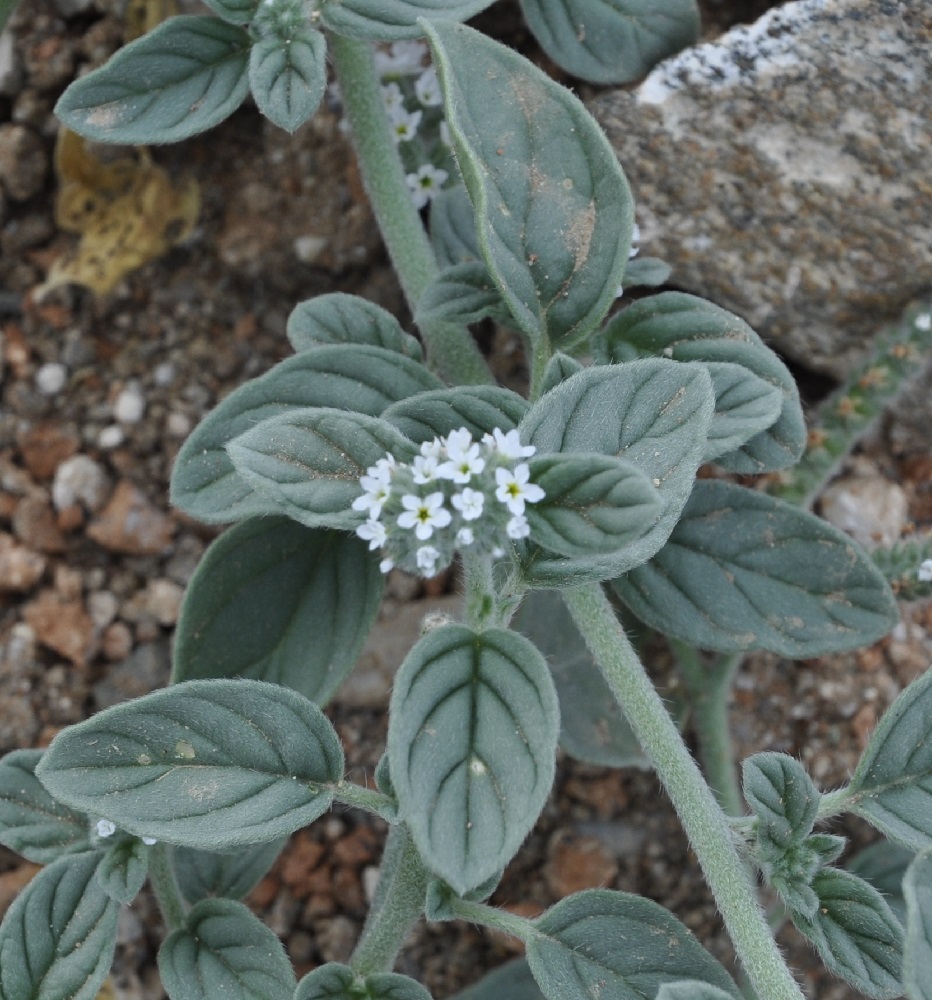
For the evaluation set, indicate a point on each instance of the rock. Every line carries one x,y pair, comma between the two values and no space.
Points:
577,863
336,938
19,724
23,162
117,641
130,404
130,524
20,568
11,72
63,626
162,600
45,446
80,480
51,378
780,170
34,524
144,670
870,508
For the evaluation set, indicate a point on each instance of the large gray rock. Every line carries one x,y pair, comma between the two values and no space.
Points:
785,170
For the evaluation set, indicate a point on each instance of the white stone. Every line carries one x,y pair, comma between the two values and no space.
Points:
130,404
51,378
308,248
110,437
178,424
870,508
80,479
164,374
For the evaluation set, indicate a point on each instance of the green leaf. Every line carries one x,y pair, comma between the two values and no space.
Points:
478,408
123,868
453,228
917,952
233,874
308,462
58,936
612,944
884,865
288,76
892,786
337,318
390,20
358,377
686,328
32,823
463,293
855,933
275,601
226,951
652,413
210,764
553,210
559,368
472,736
512,981
742,571
592,727
646,272
691,989
338,982
234,11
745,406
612,42
593,504
782,797
183,77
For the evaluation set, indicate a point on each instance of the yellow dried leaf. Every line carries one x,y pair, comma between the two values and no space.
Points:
143,15
107,991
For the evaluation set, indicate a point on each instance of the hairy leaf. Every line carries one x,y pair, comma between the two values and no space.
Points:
123,868
57,937
646,272
233,874
337,318
275,601
234,11
884,865
917,953
358,377
453,228
652,413
472,735
32,823
892,786
691,989
745,406
224,950
183,77
855,933
462,293
338,982
553,211
603,943
782,796
559,368
478,408
513,980
740,572
389,20
616,41
288,76
211,764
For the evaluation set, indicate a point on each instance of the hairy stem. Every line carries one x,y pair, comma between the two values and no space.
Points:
165,885
705,823
451,350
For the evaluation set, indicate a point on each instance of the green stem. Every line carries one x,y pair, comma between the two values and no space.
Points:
491,916
165,885
835,803
703,820
450,348
398,905
708,686
370,799
541,354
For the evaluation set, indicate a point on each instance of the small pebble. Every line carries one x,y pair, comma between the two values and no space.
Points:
164,374
117,641
130,404
102,606
80,480
110,437
178,425
51,378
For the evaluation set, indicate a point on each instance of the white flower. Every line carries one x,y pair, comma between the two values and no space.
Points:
401,57
635,239
377,491
464,457
374,533
149,841
427,557
469,503
924,573
423,514
427,88
426,183
432,448
515,489
386,565
393,99
445,133
508,445
404,124
923,322
105,828
465,537
518,527
426,469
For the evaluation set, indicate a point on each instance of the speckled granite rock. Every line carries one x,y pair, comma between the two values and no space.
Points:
785,171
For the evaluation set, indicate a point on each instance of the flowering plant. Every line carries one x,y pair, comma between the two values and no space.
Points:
369,451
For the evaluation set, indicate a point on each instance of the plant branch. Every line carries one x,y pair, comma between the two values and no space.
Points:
165,885
703,820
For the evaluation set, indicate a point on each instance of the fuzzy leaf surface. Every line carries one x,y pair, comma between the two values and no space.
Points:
234,11
359,378
57,937
478,408
463,293
123,868
742,570
855,933
184,76
612,944
211,764
390,20
338,318
224,950
308,462
512,980
334,981
917,953
275,601
892,786
646,272
559,368
690,989
472,737
782,796
288,76
884,865
32,823
617,41
553,210
652,413
453,227
233,874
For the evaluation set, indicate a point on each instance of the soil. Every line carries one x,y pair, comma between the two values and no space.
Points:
99,392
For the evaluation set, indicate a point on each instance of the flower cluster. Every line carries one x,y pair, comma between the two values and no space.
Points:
457,493
107,828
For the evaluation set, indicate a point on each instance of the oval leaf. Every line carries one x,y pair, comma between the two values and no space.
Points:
553,210
855,933
224,950
275,601
183,77
389,20
782,796
612,42
742,570
308,462
288,76
513,980
559,368
612,944
338,982
917,953
234,11
884,865
892,786
202,874
32,823
472,736
58,936
210,764
745,406
338,318
478,408
360,378
453,228
652,413
123,868
646,272
690,989
463,293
